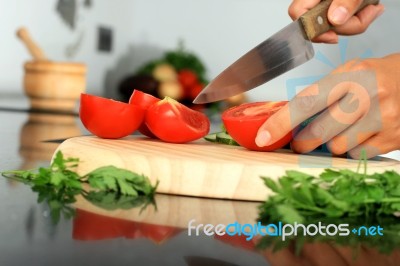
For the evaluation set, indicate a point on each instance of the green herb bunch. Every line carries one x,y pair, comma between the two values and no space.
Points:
59,184
335,197
335,193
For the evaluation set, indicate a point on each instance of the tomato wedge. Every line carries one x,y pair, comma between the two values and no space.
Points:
144,101
109,119
173,122
243,121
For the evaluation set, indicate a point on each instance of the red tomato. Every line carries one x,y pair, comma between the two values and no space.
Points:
195,90
143,100
173,122
242,123
187,78
109,119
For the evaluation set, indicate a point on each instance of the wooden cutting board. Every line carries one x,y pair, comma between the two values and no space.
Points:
201,168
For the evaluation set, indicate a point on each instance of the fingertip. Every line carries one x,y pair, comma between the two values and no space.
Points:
263,138
329,37
296,9
380,10
338,15
298,147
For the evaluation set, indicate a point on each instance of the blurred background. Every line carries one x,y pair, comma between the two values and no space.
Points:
115,38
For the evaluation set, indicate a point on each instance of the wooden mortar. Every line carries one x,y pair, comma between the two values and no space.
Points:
51,85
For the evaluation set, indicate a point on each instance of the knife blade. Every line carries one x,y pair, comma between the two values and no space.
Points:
283,51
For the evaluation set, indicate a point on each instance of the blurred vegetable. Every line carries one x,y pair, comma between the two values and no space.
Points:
180,59
164,72
172,89
144,83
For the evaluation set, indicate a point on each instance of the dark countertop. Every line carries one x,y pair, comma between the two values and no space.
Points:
125,237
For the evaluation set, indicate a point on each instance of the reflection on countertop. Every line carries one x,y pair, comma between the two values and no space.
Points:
39,128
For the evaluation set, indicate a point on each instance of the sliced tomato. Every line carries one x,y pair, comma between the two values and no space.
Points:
173,122
243,121
144,101
109,119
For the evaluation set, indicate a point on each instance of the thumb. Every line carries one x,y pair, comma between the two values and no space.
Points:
341,11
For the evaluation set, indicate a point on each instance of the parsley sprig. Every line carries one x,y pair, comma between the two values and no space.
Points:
334,197
59,184
335,193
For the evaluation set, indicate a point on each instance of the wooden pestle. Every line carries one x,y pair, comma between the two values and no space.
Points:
33,49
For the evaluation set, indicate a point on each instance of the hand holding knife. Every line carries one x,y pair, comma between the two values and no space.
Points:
283,51
291,47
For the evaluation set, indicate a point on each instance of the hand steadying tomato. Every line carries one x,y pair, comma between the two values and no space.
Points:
173,122
242,123
144,101
109,119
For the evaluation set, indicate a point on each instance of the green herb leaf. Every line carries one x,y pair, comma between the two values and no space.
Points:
59,184
334,193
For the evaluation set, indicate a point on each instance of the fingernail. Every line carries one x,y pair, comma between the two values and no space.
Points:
339,15
263,138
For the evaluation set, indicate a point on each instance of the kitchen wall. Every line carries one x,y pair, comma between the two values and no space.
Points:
57,39
219,31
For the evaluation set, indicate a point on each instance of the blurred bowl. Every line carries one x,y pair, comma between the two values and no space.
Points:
54,85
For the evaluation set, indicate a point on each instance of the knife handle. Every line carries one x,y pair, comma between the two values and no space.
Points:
315,21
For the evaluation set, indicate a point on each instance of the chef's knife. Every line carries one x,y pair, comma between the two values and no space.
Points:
285,50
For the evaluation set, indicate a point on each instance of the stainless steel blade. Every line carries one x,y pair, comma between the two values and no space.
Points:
280,53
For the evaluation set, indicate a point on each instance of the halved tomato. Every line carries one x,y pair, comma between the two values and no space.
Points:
109,119
173,122
144,101
243,121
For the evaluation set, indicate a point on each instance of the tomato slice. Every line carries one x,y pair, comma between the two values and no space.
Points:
173,122
109,119
243,121
144,101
